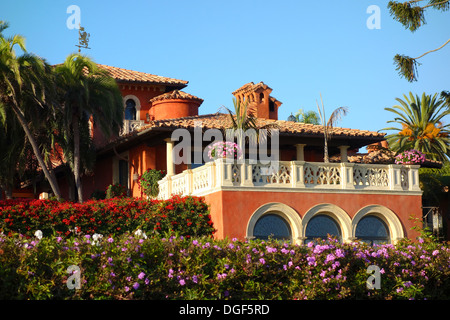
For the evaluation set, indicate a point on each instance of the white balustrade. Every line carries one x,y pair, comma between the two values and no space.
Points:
281,175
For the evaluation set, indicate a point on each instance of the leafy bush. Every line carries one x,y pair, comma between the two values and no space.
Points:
148,182
187,216
116,190
131,266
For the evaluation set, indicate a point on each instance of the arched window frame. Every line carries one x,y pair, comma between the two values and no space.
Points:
333,211
137,106
391,220
284,211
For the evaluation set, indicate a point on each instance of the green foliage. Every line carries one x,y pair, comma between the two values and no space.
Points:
421,126
134,267
410,15
433,183
116,190
406,67
309,116
148,182
187,216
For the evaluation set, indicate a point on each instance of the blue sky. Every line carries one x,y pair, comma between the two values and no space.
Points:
299,48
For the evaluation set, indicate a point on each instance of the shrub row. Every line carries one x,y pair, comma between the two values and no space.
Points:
187,216
132,267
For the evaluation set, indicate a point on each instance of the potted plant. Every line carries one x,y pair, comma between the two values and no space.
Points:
224,149
148,182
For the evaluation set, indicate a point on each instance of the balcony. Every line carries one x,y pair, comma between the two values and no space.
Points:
130,126
292,176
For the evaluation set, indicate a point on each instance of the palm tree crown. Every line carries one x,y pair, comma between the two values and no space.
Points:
421,126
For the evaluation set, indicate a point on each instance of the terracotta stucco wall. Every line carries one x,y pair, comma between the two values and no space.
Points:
231,210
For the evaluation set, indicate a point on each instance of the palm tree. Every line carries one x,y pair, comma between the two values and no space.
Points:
26,89
244,122
86,91
309,116
421,124
336,115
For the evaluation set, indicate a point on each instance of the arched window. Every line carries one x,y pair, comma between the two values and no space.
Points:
274,226
320,226
372,230
130,110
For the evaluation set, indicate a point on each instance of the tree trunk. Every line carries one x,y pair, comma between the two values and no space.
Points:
76,157
50,176
325,149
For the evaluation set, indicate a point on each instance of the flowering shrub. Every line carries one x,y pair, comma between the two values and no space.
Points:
410,157
148,182
133,266
187,216
224,149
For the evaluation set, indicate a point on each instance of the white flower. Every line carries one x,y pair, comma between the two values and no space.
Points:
138,233
96,237
38,234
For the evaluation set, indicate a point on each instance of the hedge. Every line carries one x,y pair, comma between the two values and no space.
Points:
131,266
187,216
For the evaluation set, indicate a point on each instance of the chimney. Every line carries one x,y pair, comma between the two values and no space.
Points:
259,100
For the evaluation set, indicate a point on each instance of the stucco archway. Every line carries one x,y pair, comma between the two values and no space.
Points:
333,211
388,216
287,213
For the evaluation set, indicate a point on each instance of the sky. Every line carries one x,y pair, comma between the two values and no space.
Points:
301,49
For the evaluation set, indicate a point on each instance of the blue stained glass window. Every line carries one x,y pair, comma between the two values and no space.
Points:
272,225
321,226
372,230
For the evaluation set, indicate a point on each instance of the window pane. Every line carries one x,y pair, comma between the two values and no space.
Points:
372,230
320,226
272,225
130,110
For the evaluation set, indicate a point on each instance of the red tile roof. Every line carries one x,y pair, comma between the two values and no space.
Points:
126,75
222,121
176,94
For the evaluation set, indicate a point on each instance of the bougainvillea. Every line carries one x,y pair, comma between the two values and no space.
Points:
133,266
410,157
224,149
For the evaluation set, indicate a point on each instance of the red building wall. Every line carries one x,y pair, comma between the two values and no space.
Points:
232,210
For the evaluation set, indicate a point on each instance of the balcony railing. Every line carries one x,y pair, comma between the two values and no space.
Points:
131,125
292,175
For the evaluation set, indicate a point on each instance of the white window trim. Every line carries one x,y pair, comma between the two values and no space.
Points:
336,213
284,211
386,215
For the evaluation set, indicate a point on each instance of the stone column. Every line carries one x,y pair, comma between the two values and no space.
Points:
169,157
343,149
300,152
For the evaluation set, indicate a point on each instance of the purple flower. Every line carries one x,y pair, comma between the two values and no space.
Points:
141,275
435,252
110,240
182,282
195,279
135,286
262,261
127,289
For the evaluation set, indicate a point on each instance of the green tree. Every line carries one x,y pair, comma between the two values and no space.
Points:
86,91
411,14
421,126
328,125
309,116
27,92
